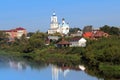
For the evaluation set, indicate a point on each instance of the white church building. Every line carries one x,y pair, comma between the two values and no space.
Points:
55,27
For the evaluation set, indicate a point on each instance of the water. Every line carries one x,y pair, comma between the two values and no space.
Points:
19,70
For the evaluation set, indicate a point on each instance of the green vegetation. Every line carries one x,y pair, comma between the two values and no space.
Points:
100,56
74,30
111,30
34,49
103,56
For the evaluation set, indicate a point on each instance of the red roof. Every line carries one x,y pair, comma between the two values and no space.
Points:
98,34
14,30
20,28
87,34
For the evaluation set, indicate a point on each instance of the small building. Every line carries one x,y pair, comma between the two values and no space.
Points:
78,42
63,43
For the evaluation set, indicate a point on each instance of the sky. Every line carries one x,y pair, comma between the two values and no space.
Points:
35,15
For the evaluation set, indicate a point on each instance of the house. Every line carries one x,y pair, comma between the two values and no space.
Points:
15,33
21,31
95,34
82,42
99,34
78,42
63,43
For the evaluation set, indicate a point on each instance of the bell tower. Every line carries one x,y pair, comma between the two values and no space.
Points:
54,21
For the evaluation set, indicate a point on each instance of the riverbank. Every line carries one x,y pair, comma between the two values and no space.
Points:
45,56
101,57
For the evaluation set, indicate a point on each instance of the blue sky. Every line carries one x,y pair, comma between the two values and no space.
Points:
35,14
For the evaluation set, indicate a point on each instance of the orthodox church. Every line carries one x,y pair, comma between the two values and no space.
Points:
55,27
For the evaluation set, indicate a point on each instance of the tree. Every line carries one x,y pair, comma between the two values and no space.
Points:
74,30
87,29
110,30
114,31
105,28
3,38
37,40
30,34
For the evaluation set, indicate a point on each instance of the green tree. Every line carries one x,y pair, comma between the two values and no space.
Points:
114,31
74,30
3,39
110,30
87,29
105,28
37,40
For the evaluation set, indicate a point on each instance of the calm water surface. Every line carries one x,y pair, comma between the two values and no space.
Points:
19,70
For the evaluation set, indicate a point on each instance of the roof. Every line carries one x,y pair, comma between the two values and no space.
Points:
63,42
82,40
75,39
87,34
98,34
14,30
20,28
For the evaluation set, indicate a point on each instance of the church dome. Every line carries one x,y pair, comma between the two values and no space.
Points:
64,27
64,24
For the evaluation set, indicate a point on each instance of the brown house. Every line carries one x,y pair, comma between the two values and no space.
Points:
63,43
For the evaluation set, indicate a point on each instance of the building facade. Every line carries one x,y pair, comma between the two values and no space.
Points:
78,42
55,27
16,33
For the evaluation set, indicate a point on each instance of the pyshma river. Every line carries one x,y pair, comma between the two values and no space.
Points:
19,70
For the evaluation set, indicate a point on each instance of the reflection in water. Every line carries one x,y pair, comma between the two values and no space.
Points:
20,70
66,72
17,65
55,72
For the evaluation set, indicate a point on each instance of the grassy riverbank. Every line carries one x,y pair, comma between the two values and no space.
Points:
46,55
100,56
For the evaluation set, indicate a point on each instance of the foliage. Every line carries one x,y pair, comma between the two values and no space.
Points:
99,55
74,30
3,39
111,30
103,51
87,29
110,70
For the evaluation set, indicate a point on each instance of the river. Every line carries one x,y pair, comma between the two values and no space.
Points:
20,70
